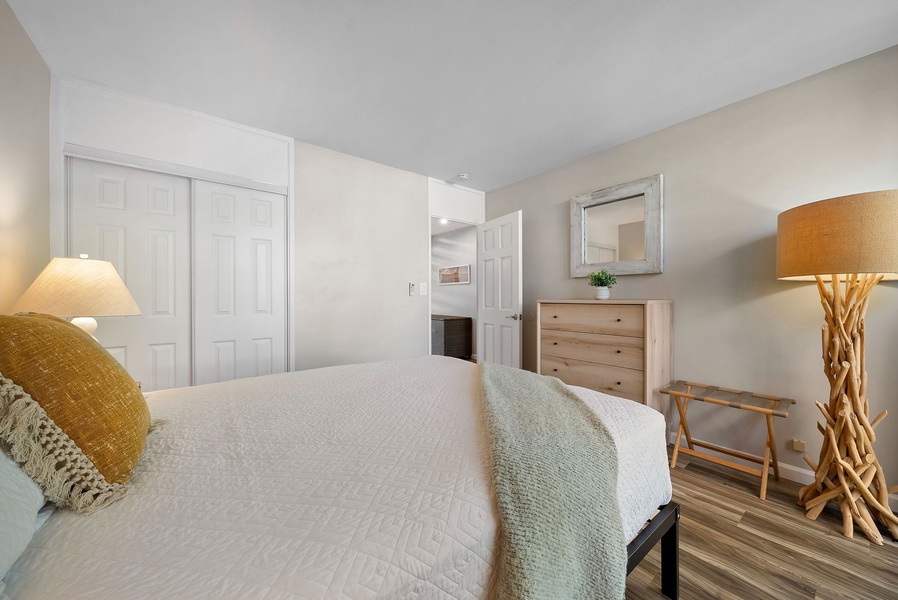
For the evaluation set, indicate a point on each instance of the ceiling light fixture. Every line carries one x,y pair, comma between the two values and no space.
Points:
444,221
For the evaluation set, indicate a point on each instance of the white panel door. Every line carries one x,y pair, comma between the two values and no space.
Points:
499,291
140,222
240,308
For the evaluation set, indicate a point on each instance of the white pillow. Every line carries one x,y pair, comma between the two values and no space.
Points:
20,501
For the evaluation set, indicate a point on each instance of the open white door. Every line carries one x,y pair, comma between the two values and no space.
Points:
499,291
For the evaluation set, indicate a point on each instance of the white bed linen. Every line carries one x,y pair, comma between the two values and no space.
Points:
348,482
640,435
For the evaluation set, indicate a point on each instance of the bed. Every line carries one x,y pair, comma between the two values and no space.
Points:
357,481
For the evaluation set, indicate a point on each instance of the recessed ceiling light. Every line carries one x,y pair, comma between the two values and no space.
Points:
444,221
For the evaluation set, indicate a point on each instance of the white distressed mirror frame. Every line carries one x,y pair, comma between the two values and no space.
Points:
652,189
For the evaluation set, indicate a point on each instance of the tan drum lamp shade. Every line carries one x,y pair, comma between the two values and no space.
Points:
847,245
80,288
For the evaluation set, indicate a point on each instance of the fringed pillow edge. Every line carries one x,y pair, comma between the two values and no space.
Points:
45,453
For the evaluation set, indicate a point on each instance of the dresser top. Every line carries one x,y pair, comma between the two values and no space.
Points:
610,301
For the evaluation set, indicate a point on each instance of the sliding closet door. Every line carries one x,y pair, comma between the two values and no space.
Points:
140,222
240,284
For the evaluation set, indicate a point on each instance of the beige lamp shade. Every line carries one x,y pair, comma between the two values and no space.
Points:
78,287
841,236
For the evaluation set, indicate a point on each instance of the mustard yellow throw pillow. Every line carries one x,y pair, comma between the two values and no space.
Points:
74,418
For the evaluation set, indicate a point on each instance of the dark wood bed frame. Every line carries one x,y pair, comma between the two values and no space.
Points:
665,527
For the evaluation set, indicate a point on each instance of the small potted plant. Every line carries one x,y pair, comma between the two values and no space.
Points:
602,281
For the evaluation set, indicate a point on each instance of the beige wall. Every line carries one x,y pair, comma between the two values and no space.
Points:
727,175
361,237
24,160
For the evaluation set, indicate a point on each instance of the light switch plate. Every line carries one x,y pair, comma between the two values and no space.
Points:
422,288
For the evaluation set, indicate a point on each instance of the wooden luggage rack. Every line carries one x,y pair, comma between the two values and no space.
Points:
770,406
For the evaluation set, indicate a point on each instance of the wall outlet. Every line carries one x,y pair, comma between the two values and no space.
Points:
411,289
798,445
422,288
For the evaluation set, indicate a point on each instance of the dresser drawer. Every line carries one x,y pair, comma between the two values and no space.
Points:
615,350
617,381
614,319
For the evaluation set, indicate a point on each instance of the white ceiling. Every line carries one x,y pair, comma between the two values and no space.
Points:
499,89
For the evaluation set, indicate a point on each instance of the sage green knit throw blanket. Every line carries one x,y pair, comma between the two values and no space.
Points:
554,468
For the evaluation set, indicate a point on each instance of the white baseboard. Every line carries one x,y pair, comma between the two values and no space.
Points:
800,475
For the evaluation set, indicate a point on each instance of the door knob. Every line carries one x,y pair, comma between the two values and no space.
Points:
515,317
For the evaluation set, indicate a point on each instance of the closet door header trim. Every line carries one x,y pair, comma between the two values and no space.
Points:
159,166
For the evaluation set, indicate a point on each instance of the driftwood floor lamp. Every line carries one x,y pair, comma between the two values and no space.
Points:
847,244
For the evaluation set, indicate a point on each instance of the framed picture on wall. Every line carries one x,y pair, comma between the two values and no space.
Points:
455,275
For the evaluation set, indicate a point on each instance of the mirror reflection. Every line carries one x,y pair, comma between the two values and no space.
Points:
616,230
619,228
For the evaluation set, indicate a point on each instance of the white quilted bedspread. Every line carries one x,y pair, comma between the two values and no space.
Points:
360,481
643,477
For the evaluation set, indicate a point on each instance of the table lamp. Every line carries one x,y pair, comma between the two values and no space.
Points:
80,288
847,245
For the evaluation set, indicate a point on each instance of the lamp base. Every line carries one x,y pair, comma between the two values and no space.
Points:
848,471
88,324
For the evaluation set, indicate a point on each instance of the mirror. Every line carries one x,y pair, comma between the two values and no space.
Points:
619,229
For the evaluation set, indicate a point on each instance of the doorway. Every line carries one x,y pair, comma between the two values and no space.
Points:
453,288
476,280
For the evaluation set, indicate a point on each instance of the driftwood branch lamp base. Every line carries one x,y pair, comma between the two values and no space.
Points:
848,471
853,236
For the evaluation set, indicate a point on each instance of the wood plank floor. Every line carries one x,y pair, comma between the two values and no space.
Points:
734,545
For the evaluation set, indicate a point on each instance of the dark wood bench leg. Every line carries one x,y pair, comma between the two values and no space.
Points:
670,560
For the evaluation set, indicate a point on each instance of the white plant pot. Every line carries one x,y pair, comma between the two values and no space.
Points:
602,292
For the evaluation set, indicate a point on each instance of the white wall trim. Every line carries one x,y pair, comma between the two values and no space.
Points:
429,269
65,82
58,208
160,166
456,202
289,265
60,143
454,185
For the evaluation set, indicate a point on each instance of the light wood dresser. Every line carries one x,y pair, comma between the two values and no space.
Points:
620,347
